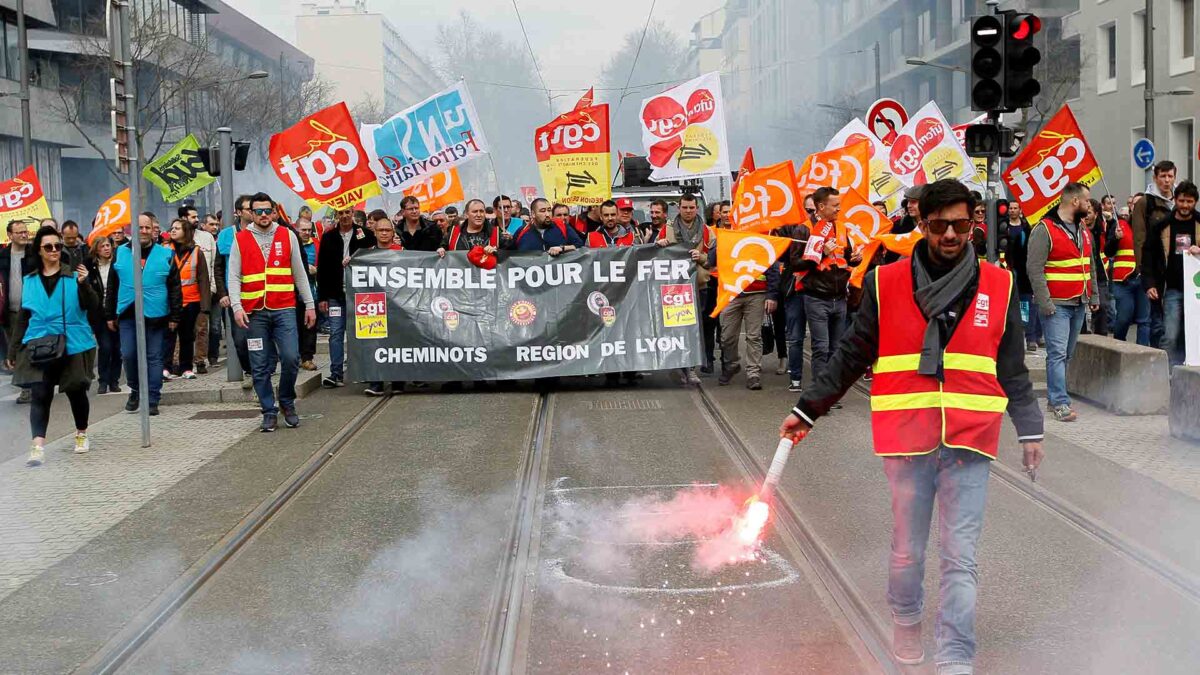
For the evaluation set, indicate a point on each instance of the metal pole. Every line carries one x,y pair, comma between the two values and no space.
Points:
878,83
233,368
135,189
1148,89
23,49
282,83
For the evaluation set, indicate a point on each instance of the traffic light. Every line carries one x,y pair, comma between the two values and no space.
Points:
987,63
1000,207
1020,56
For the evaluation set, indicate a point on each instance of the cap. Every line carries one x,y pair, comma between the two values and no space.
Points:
481,259
624,203
914,192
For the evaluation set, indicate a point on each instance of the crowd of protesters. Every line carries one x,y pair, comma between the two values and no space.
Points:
276,282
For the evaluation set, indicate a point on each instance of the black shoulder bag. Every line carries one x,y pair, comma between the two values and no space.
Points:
49,348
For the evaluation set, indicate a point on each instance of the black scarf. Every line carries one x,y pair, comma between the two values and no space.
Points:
936,299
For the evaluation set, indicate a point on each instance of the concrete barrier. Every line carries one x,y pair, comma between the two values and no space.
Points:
1185,403
1124,377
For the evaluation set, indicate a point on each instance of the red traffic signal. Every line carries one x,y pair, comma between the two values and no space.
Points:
1024,26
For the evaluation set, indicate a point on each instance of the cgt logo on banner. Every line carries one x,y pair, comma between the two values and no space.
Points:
21,198
742,259
179,172
370,316
925,150
678,305
321,159
437,191
842,169
439,133
683,131
766,199
573,155
879,176
1058,155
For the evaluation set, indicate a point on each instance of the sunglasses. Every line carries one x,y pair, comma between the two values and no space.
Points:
52,248
810,211
263,212
940,225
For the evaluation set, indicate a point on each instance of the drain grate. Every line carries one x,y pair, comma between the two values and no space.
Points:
225,415
635,404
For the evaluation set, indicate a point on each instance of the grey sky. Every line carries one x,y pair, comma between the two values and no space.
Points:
572,39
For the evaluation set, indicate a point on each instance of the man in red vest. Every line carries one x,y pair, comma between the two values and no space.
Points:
266,272
944,335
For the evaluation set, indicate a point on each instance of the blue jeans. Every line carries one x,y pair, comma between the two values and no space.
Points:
958,478
1033,319
1174,342
797,324
1133,307
272,336
155,332
337,339
1157,329
1062,330
826,321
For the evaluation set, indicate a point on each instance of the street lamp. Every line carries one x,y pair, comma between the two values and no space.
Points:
922,62
1182,91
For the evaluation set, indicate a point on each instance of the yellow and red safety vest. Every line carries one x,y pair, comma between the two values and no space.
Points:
266,282
1125,261
1068,269
914,414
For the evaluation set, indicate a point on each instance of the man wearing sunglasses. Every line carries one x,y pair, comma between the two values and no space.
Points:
944,333
1059,263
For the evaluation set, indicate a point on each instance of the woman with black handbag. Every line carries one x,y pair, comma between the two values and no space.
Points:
53,344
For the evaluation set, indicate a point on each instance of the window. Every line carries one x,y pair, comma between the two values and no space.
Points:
1181,143
924,31
1137,49
1107,67
1183,36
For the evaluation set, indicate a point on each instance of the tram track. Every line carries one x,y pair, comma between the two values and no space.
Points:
139,630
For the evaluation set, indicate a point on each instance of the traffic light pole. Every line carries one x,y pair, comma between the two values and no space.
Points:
233,368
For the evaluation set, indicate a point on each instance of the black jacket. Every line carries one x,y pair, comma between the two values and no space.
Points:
830,284
1017,253
427,238
1155,257
790,259
96,315
174,295
860,347
330,273
74,256
27,265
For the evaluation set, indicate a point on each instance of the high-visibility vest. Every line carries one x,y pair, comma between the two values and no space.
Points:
1125,261
187,277
49,314
156,267
266,282
456,236
600,239
913,414
1068,269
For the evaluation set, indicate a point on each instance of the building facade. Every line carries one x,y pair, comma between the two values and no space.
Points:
1110,104
381,70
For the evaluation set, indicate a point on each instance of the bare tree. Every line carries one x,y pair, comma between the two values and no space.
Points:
648,66
368,110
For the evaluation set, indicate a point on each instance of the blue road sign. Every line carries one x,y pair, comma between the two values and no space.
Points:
1143,153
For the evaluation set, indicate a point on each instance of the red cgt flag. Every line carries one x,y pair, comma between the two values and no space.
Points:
321,159
1058,155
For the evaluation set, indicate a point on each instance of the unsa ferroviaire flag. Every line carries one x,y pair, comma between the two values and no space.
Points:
573,155
742,257
321,159
683,131
1058,155
179,172
21,198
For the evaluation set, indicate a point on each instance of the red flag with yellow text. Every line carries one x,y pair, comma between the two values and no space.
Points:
742,259
322,159
1058,155
21,198
574,158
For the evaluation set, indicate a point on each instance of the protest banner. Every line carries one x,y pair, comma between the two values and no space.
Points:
925,150
573,155
420,317
879,176
437,191
742,257
437,134
842,169
1058,155
683,131
321,159
1191,310
766,199
21,198
179,172
114,214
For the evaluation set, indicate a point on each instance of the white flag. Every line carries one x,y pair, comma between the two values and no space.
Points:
683,131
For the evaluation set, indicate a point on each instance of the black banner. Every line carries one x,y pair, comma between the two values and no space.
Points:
417,317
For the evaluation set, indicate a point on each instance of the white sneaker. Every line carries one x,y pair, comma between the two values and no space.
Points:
189,375
168,375
81,443
36,456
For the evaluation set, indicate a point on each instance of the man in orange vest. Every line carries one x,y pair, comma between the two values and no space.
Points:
944,335
266,272
1063,280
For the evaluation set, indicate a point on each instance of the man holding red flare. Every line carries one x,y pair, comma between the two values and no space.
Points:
944,335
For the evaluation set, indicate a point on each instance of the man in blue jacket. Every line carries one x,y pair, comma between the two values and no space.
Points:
544,233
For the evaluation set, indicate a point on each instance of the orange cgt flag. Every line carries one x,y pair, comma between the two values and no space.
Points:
742,258
113,215
901,244
844,168
861,222
766,199
438,190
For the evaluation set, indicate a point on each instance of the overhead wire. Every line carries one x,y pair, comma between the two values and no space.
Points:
532,57
636,54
